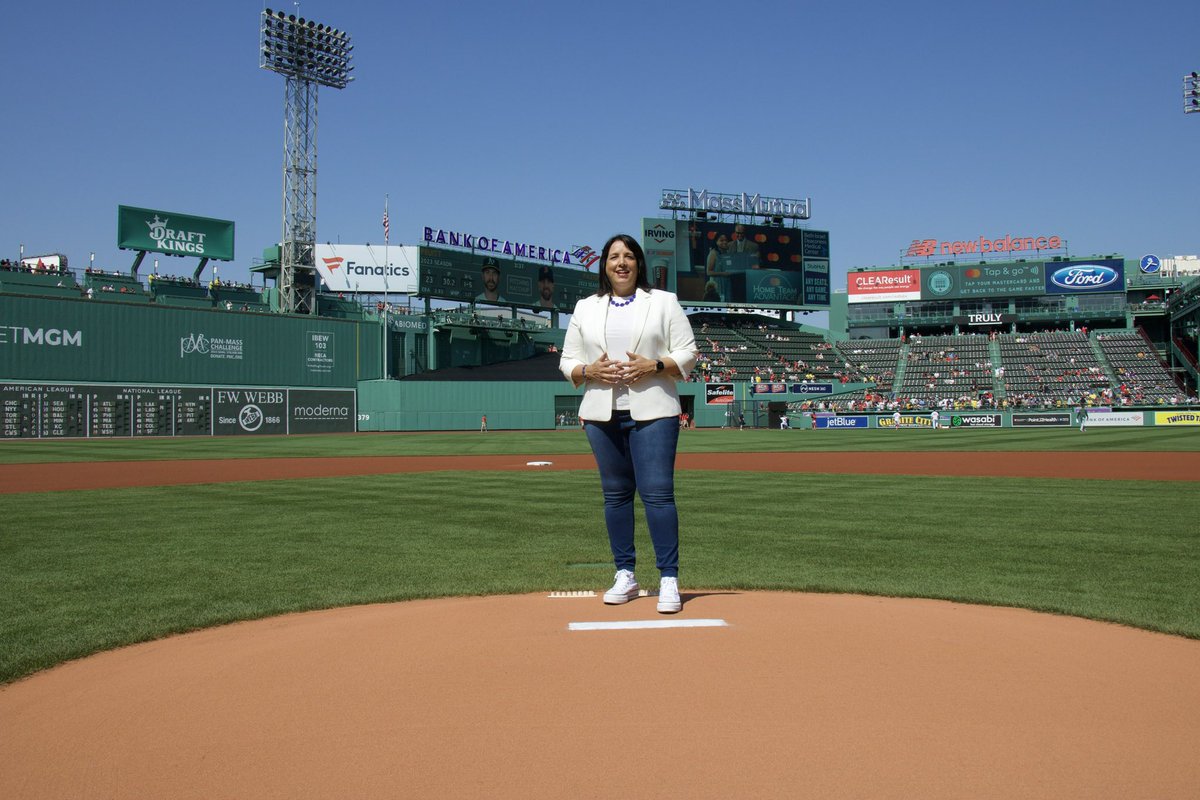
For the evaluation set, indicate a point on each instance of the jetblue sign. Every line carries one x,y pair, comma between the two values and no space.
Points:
836,423
1086,277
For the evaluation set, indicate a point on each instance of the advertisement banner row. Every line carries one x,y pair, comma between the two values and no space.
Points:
954,282
49,411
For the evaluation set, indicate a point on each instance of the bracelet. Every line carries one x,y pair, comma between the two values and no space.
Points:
583,377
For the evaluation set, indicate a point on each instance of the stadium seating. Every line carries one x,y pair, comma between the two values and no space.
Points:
16,279
1139,375
875,360
1050,369
114,287
940,370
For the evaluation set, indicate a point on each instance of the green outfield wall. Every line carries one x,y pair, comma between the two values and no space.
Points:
80,340
532,405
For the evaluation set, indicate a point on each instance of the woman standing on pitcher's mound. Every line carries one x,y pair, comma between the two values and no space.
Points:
629,345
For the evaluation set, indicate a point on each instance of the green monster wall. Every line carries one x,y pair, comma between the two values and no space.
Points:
55,339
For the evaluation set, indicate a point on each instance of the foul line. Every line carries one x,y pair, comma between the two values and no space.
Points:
647,623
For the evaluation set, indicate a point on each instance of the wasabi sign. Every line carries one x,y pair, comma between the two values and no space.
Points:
174,234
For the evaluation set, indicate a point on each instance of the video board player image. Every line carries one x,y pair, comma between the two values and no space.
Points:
495,280
738,263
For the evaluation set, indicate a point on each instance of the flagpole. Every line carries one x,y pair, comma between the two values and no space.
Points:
387,230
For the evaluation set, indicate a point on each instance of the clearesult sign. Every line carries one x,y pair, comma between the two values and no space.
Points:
890,285
175,234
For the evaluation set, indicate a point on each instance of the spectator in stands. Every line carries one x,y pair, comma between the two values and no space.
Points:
630,407
490,272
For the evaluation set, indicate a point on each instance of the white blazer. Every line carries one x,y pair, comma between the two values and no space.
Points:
660,330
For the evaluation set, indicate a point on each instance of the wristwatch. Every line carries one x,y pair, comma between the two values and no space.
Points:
659,366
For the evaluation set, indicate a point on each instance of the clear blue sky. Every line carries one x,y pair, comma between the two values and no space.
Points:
559,123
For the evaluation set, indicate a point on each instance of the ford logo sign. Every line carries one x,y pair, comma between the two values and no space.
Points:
1084,276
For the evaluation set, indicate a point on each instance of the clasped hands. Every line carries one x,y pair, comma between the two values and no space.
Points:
606,370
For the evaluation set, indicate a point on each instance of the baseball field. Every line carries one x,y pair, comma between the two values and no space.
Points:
111,543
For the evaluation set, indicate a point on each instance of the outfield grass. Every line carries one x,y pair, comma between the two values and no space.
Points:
91,570
572,441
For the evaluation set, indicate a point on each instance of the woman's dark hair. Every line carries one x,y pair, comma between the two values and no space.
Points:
643,280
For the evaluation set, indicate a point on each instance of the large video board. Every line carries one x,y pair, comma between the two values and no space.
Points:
486,278
726,264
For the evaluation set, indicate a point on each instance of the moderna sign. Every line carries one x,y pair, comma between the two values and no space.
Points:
1079,277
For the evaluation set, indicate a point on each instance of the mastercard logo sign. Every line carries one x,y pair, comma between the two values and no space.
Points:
973,272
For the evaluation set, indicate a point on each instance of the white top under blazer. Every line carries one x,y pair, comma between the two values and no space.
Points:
660,330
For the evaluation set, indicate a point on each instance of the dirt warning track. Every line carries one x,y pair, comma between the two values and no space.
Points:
116,474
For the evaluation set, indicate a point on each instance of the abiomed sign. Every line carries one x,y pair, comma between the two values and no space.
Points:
174,234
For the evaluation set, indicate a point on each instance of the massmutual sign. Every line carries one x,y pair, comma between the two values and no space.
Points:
704,200
154,231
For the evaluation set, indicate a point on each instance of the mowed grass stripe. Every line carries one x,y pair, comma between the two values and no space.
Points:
87,571
573,441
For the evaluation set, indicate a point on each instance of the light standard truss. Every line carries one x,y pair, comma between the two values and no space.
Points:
308,55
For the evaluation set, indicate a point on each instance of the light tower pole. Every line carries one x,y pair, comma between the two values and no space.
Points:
308,55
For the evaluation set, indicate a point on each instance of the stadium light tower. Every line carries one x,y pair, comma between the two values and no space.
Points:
1191,92
308,55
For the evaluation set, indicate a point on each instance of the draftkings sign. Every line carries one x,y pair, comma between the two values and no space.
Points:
175,234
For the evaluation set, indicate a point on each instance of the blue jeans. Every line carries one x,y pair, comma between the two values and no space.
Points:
638,456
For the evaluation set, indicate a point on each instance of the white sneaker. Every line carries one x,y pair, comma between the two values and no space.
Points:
668,596
624,588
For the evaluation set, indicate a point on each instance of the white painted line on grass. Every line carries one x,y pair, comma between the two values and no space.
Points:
646,623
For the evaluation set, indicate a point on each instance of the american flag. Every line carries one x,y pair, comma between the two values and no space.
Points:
387,226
